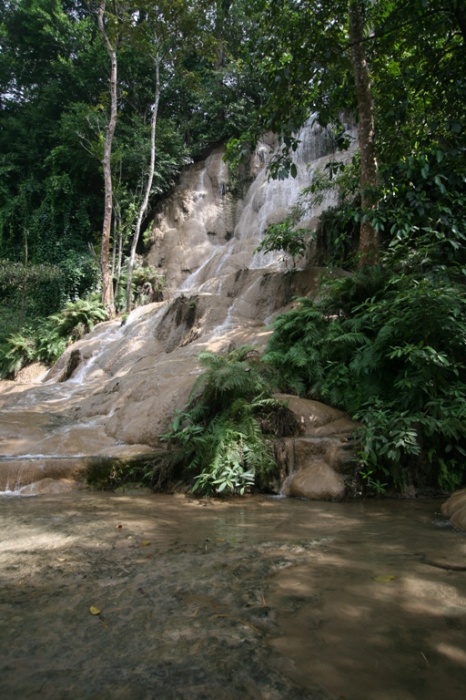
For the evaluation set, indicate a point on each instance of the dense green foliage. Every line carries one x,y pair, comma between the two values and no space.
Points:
284,236
416,55
28,292
46,340
388,344
53,116
219,437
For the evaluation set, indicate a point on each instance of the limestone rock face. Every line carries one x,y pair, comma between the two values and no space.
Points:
317,464
114,392
455,509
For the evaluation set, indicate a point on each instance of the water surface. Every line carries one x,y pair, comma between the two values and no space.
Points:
256,598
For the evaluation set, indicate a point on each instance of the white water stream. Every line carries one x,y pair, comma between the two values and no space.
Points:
132,377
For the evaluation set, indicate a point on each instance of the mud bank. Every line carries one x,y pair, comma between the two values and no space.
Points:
256,598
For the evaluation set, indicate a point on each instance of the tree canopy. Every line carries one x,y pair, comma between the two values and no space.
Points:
55,113
228,71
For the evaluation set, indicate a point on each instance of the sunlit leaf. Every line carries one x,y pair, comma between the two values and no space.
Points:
384,578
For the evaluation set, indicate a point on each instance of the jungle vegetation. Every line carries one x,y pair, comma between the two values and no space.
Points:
101,104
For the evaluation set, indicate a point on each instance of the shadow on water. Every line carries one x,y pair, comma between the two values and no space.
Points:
255,598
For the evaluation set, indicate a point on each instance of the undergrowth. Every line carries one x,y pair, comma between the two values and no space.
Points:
223,437
48,338
387,344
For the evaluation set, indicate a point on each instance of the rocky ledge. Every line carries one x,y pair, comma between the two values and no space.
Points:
320,462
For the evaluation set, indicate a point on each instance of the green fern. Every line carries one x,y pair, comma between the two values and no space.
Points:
390,359
221,436
238,374
17,351
78,317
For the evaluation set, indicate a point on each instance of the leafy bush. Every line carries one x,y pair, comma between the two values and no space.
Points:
422,211
219,436
81,274
391,353
286,237
148,280
58,331
237,375
16,351
231,451
49,344
78,318
388,343
49,338
29,294
31,291
147,285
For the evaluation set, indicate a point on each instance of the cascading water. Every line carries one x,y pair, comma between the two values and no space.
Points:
131,378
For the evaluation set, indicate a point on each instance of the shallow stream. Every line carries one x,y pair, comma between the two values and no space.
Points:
267,598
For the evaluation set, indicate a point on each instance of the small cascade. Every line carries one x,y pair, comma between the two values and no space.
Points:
193,282
19,472
113,393
103,335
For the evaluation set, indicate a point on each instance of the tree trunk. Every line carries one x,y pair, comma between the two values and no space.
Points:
150,179
107,284
459,11
117,245
368,238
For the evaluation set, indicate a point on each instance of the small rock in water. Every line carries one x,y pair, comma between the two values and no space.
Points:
455,509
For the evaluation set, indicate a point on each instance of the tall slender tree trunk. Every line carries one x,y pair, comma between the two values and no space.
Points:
117,253
150,178
22,312
458,8
107,284
368,238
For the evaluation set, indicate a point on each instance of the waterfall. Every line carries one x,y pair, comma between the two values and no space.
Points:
132,377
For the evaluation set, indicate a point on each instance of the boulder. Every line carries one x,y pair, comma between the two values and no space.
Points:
319,463
315,480
455,509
